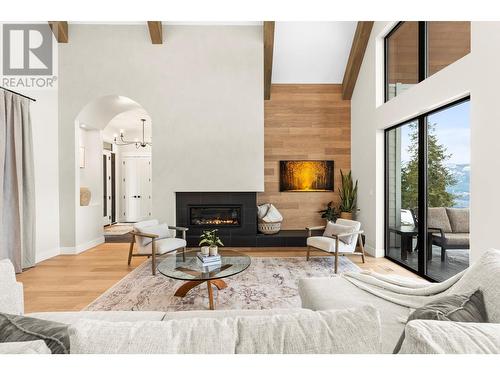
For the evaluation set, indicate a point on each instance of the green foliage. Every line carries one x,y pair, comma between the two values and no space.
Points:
348,193
439,176
210,238
330,213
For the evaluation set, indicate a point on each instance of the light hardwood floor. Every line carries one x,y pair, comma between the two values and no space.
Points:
71,282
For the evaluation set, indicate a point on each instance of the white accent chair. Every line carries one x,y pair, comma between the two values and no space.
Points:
333,244
155,239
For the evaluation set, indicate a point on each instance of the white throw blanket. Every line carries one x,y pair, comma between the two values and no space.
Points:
402,291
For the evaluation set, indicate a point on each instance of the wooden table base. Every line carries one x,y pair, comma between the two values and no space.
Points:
187,286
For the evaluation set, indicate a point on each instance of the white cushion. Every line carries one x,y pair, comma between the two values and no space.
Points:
164,246
11,291
185,336
336,229
328,244
444,337
355,226
24,347
326,293
262,210
273,215
342,331
351,331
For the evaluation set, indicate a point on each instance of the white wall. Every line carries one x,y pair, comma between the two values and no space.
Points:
203,90
45,148
476,74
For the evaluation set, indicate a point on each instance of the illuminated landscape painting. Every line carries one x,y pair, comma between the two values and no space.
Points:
306,175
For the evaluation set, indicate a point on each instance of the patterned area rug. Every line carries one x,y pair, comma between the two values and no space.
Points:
268,283
117,229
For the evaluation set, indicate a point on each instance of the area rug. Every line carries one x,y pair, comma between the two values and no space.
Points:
268,283
117,229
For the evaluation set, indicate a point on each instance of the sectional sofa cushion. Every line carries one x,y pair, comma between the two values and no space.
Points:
324,293
444,337
438,218
454,307
15,328
24,347
347,331
459,219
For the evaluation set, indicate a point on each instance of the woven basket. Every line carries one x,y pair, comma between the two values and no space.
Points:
269,228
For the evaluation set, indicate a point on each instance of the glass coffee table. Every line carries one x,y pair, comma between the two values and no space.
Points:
190,269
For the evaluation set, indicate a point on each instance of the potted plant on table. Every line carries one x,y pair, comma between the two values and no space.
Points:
348,195
210,238
330,213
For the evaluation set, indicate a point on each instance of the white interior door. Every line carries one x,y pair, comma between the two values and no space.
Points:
106,176
137,188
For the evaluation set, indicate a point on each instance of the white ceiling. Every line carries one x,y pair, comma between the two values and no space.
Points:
311,52
130,122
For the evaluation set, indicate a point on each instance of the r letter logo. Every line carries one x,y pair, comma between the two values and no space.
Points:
27,50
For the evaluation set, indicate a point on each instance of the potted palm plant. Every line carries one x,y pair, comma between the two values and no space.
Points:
210,238
348,195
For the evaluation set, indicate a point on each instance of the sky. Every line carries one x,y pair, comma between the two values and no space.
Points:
453,131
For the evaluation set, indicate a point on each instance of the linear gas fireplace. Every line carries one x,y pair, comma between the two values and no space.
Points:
233,214
215,216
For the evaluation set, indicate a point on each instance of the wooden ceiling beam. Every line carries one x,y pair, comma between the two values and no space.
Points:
268,57
155,32
60,30
358,48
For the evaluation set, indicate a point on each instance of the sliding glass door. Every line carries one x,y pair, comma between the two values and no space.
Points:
427,192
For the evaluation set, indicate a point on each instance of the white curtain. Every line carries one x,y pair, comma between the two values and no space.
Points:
17,185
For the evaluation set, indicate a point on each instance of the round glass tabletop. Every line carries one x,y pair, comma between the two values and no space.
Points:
175,267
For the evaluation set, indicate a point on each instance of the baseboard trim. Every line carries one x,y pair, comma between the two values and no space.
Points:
40,257
377,253
82,247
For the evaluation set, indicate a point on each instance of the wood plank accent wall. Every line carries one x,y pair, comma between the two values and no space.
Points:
304,122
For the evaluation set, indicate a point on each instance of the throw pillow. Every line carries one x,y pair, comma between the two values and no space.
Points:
459,219
15,328
456,307
438,218
336,229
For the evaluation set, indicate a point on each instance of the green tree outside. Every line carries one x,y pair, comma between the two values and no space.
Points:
439,176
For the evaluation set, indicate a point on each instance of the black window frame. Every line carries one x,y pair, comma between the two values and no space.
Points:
422,54
422,187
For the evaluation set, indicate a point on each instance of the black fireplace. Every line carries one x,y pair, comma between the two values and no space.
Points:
207,215
234,214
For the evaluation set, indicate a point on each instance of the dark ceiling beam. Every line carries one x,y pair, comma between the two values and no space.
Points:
60,30
156,32
358,48
268,57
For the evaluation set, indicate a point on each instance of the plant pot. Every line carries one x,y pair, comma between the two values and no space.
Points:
213,250
205,250
346,215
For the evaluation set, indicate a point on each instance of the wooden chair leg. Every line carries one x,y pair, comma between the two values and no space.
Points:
307,252
131,250
153,256
183,254
336,255
360,242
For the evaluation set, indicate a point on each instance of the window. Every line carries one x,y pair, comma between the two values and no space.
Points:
416,50
427,169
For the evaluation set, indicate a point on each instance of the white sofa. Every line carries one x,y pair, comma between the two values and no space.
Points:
361,329
339,293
